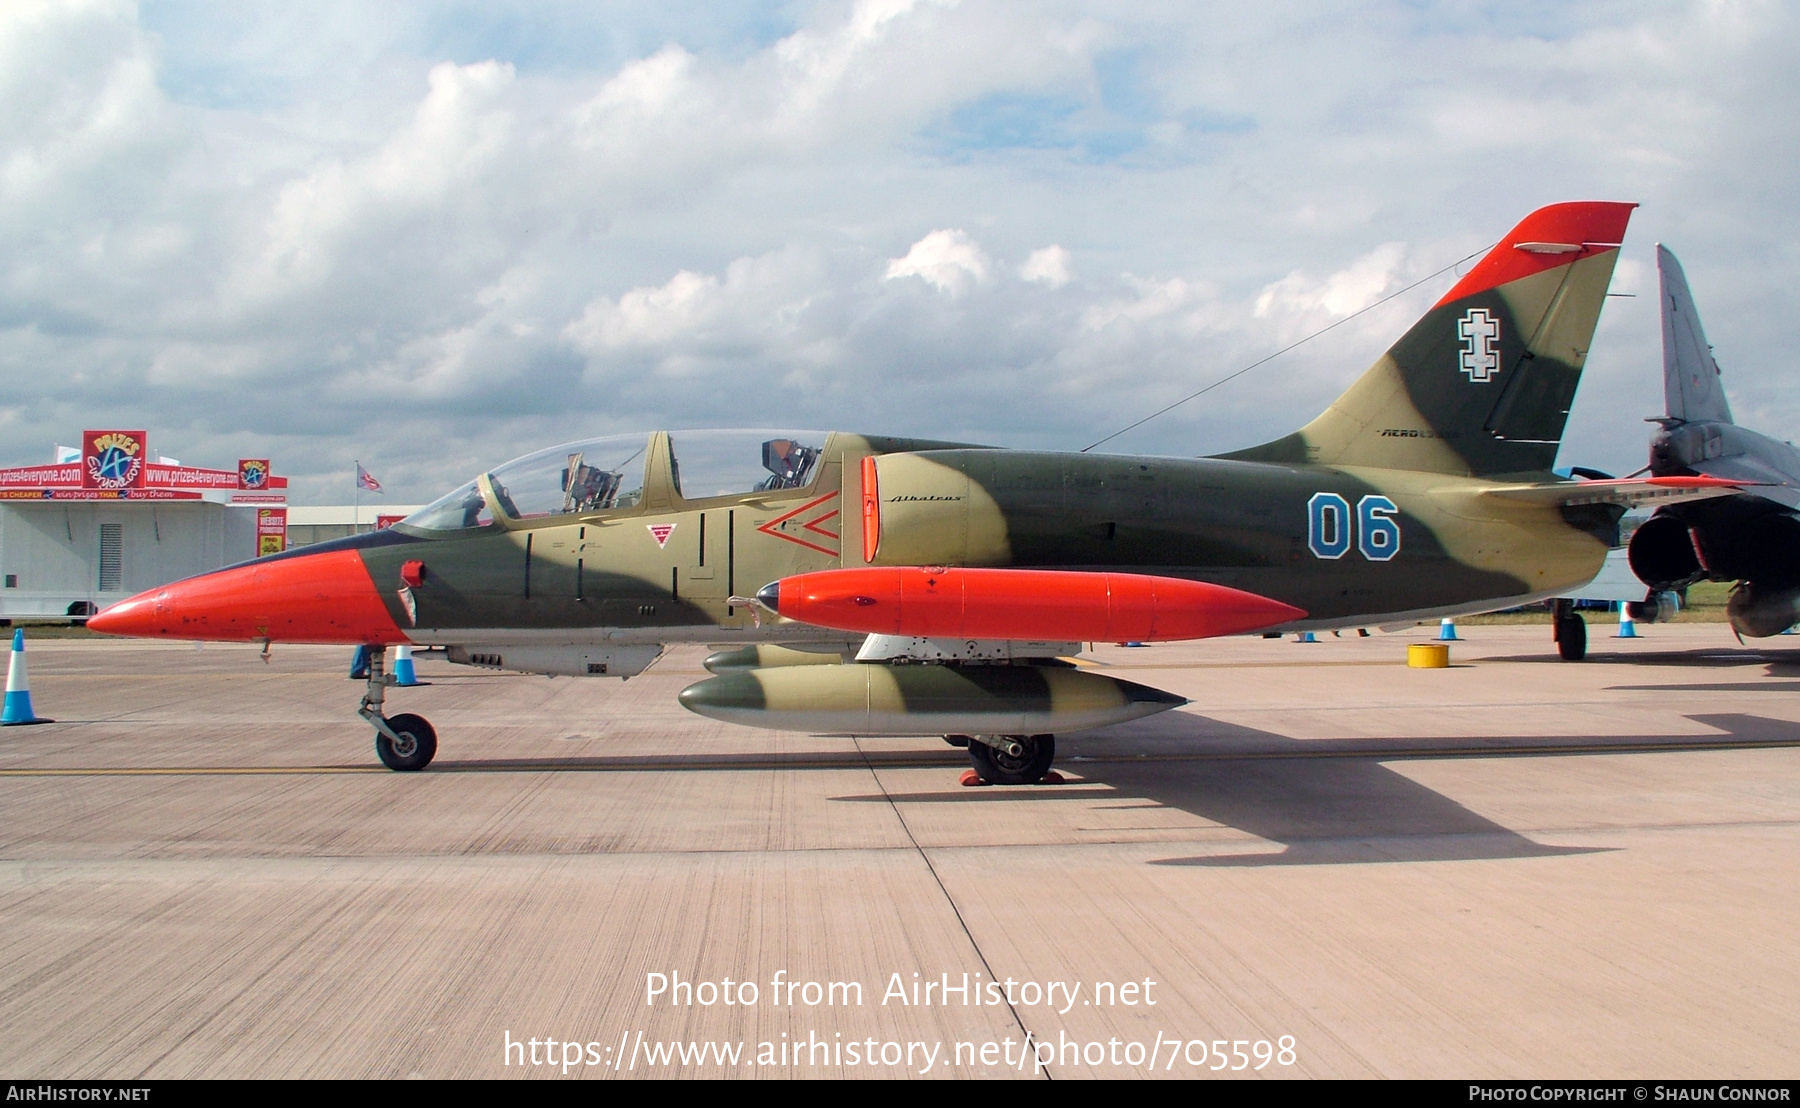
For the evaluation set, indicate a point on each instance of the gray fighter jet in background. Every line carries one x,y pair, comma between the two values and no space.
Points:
1753,537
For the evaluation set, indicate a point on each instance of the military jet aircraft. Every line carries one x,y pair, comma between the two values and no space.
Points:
885,586
1753,537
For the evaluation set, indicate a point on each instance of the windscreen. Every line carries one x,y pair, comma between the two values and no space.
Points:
587,476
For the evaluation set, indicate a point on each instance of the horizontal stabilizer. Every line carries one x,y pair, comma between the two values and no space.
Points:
1628,492
1766,480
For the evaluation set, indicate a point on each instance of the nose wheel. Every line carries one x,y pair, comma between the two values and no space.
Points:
405,742
1012,759
412,746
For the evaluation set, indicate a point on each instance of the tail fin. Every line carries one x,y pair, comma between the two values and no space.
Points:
1481,385
1690,376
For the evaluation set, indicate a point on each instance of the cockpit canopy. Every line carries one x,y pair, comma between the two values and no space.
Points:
595,475
731,463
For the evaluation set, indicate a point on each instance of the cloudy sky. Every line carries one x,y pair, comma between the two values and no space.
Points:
433,236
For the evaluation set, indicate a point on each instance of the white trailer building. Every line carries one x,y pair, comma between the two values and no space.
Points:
79,534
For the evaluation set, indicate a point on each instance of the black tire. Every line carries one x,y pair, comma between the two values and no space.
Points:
1571,638
407,758
998,768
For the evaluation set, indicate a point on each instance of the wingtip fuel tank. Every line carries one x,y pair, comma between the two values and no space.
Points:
1021,604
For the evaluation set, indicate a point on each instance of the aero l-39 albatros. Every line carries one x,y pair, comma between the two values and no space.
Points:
1752,537
901,587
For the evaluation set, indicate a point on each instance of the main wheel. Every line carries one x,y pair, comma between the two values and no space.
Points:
1571,637
999,768
416,748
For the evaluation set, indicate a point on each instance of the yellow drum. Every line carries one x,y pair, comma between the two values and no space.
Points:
1428,655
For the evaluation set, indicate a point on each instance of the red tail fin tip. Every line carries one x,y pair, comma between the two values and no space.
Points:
1545,239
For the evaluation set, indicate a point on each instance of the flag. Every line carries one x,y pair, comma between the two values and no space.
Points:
366,480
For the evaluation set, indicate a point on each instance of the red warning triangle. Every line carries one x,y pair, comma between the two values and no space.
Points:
660,532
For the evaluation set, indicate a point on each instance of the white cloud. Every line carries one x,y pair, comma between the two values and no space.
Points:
457,131
816,61
1049,266
649,85
1350,289
79,89
648,316
694,321
1153,299
258,233
949,261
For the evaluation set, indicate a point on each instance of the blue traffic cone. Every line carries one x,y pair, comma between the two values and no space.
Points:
18,688
1306,636
1627,626
1447,630
404,674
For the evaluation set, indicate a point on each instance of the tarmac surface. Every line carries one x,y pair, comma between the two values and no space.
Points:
1327,865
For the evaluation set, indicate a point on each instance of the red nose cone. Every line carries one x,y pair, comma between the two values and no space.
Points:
316,598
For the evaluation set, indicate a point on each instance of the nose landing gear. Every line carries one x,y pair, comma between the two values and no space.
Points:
405,742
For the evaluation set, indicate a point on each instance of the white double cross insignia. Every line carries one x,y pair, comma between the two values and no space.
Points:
1481,345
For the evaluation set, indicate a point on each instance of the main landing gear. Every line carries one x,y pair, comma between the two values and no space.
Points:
1569,630
404,742
1008,759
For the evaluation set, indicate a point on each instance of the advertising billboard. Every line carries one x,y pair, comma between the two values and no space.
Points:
271,531
114,460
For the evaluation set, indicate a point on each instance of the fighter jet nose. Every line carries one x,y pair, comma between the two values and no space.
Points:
128,617
769,596
321,598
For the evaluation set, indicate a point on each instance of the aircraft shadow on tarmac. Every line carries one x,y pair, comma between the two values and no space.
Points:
1329,801
1701,658
1779,675
1734,686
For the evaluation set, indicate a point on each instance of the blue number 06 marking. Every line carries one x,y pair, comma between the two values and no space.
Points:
1377,535
1328,526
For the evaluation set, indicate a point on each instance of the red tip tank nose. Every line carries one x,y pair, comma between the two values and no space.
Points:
316,598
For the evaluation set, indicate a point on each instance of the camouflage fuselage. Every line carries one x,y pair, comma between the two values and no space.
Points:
1348,545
